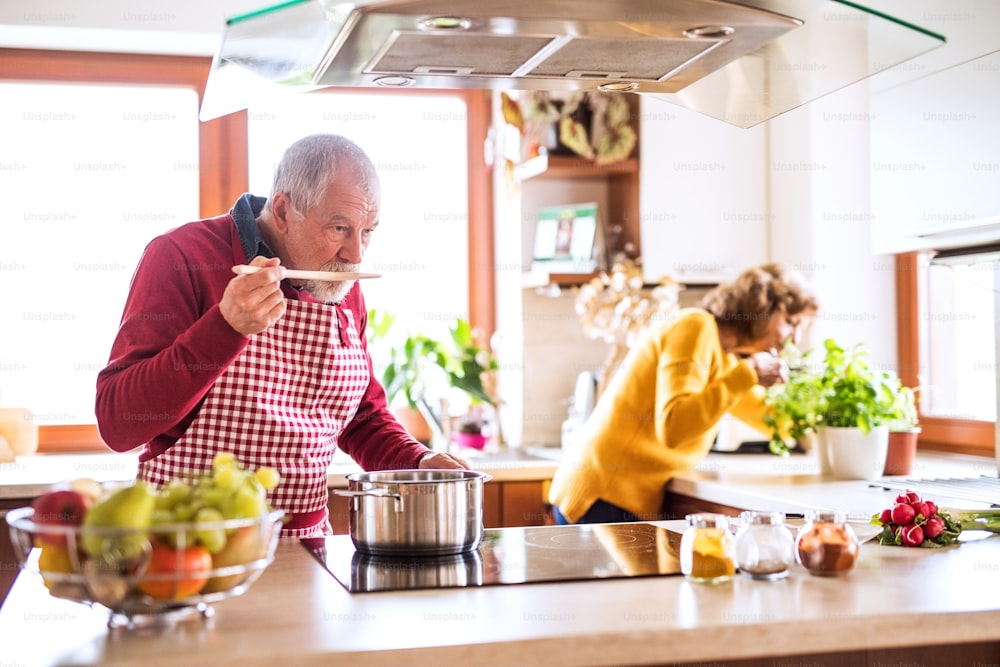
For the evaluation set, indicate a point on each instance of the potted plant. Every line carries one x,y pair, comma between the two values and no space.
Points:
904,428
422,366
846,403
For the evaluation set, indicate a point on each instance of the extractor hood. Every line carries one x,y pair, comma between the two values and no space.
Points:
740,62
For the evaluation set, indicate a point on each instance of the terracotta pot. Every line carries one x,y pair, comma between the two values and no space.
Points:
902,451
415,423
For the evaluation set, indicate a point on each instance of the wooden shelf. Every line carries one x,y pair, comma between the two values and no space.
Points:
566,166
541,279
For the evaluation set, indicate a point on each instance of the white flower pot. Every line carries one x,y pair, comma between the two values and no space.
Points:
853,454
816,448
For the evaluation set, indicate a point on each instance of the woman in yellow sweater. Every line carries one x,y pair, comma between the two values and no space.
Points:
661,411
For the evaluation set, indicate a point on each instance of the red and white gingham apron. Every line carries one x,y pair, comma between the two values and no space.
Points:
282,403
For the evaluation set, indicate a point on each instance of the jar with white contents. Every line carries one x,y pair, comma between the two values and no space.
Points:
765,547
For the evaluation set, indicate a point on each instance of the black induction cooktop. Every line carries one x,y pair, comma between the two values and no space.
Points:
523,555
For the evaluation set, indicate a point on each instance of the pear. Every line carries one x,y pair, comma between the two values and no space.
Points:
129,509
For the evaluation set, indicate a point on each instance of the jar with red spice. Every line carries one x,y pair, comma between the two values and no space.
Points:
826,545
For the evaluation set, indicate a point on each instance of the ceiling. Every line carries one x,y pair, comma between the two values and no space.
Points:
158,26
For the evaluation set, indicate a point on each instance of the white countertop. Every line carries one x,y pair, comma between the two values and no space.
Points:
29,476
793,483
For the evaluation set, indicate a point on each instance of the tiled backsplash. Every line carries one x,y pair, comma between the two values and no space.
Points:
556,351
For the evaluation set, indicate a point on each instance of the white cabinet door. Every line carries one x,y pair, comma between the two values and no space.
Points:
935,148
702,195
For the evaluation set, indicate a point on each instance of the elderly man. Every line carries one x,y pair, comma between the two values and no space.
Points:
274,370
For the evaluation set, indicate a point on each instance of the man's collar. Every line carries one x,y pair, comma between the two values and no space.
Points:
245,212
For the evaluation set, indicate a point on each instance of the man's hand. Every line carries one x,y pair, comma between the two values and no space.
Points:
254,302
442,460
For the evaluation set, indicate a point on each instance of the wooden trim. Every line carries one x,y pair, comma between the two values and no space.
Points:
907,318
962,436
482,251
70,439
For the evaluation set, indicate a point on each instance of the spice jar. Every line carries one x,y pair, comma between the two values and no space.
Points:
826,545
765,547
707,549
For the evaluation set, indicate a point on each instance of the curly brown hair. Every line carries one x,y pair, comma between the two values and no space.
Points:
745,305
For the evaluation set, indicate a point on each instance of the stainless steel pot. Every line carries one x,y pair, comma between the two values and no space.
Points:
379,573
416,512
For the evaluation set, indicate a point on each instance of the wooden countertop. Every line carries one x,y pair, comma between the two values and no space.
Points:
297,614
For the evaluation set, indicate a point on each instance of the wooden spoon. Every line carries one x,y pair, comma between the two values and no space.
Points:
331,276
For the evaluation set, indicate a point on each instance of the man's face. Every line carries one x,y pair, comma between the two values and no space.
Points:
333,235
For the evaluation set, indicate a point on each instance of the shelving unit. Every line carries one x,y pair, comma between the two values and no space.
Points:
619,210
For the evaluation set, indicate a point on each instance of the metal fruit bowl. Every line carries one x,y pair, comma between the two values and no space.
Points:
145,572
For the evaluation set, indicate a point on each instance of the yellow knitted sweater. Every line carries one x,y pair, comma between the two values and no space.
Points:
657,417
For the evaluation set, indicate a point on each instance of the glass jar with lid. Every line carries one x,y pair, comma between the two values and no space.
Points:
765,547
707,553
826,545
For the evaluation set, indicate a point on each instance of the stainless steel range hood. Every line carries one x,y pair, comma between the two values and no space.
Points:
741,62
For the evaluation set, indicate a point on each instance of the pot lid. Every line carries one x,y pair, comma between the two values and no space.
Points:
740,62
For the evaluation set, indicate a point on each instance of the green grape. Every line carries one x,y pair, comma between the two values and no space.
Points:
185,512
212,539
246,503
229,478
224,460
174,492
215,497
267,476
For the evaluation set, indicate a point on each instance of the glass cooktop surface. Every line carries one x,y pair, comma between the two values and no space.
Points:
531,554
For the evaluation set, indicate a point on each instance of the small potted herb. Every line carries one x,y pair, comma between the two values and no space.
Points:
846,402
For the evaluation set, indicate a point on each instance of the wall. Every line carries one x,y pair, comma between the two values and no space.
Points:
819,169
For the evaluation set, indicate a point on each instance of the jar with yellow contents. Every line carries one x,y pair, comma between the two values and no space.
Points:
707,553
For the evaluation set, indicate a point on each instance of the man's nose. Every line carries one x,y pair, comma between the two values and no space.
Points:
352,250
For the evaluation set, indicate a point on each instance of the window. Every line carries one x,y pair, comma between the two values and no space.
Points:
418,144
957,342
947,346
90,174
208,171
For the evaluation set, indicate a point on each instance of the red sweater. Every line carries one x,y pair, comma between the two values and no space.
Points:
173,343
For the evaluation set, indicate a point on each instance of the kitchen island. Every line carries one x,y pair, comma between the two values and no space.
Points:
297,614
919,606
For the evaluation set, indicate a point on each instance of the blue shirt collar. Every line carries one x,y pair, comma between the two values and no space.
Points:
245,212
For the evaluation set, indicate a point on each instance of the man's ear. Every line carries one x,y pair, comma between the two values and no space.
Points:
281,207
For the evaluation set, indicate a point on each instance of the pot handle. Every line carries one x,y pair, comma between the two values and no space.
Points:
377,493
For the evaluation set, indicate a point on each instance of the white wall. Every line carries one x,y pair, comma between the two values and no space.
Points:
820,203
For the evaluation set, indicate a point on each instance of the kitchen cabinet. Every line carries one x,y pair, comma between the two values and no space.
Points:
9,563
512,503
703,203
934,159
518,503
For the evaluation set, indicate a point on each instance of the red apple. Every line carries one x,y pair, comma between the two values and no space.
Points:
61,507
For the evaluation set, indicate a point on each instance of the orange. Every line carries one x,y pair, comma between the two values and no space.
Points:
176,574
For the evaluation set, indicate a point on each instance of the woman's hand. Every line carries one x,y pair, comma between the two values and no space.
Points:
771,369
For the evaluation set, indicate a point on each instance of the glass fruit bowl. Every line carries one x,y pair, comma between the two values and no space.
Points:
142,572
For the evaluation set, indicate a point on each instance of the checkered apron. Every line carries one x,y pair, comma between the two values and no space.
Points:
282,403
